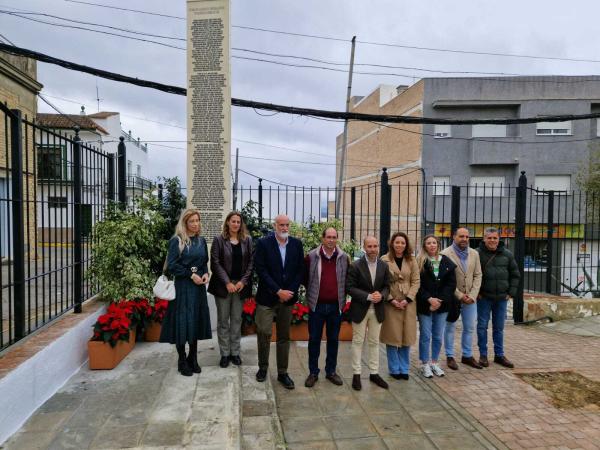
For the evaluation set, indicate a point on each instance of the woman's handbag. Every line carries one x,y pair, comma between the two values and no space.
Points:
164,288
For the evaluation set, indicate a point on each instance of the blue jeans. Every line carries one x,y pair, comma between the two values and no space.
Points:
398,359
431,333
497,308
328,315
469,316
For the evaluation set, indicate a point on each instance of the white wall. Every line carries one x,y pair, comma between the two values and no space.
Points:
135,154
28,387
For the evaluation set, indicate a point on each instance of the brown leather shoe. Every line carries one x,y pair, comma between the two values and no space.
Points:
484,361
311,380
470,361
335,379
451,363
356,384
375,378
503,362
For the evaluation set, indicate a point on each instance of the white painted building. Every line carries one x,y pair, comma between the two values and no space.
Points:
100,133
136,151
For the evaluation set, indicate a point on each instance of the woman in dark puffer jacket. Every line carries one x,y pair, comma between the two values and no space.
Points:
438,282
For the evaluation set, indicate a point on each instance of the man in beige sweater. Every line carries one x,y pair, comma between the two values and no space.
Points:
468,282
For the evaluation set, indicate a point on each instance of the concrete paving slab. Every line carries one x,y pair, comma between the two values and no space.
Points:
394,424
126,436
350,427
411,442
303,429
369,443
73,438
165,434
314,445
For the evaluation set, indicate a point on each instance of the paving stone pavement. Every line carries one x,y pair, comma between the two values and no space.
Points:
145,403
410,415
515,412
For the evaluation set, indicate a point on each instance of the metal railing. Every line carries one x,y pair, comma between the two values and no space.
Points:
53,188
554,235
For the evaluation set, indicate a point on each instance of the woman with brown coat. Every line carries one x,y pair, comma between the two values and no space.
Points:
231,265
399,329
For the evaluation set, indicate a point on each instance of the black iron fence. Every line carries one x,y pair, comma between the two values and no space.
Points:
53,188
555,235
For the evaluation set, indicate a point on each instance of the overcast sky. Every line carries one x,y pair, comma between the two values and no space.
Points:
546,28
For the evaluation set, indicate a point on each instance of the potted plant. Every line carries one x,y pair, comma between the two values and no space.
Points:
346,325
113,336
157,314
248,313
299,327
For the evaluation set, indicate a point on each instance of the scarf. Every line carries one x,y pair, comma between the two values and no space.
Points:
463,256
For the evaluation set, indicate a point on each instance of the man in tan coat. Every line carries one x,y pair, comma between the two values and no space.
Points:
468,282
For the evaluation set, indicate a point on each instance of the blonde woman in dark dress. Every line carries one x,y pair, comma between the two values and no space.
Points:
187,319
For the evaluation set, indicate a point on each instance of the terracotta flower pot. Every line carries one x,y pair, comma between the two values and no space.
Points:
345,331
103,356
248,329
152,332
298,332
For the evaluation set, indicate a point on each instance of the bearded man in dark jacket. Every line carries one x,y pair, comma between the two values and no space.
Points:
499,283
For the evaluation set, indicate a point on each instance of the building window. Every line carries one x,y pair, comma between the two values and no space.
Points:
486,187
553,128
139,171
129,168
561,184
441,185
488,130
441,131
52,163
57,202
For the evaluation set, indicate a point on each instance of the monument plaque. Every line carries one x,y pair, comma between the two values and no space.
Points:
209,112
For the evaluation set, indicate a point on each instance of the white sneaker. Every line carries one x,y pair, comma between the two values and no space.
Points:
437,370
426,371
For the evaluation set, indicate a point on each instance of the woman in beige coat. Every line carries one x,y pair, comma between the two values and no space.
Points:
399,329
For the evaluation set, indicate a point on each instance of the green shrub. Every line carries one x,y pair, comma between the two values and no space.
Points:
128,249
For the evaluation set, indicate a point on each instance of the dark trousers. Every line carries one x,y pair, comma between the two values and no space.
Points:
264,322
328,315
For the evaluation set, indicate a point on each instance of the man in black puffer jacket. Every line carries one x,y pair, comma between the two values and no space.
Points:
499,283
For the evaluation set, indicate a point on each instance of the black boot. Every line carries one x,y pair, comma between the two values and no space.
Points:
192,358
182,364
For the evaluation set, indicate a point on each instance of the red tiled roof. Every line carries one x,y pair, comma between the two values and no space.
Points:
68,122
102,114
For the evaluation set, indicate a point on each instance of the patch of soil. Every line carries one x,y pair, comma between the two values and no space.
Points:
567,390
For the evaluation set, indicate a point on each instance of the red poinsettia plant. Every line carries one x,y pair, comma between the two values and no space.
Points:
159,310
299,312
115,325
249,310
346,311
142,312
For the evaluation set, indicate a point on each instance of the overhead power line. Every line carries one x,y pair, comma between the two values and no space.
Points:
76,27
311,112
19,14
346,40
126,9
94,24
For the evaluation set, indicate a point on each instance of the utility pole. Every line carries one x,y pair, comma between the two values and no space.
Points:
345,138
235,180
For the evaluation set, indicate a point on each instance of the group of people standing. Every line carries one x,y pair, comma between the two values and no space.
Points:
389,296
